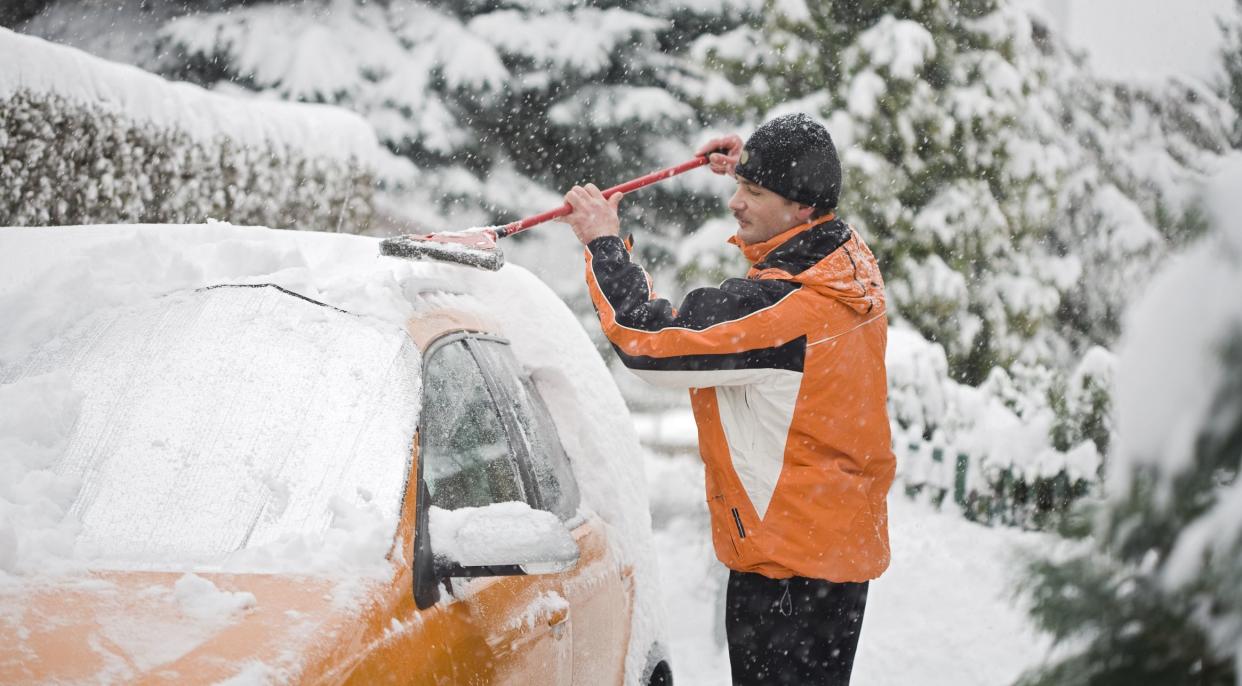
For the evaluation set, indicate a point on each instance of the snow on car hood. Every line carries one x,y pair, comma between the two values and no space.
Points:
123,627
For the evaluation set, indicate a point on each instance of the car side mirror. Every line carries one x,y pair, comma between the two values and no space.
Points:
503,539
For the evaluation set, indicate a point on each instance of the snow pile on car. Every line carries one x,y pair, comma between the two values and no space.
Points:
514,530
36,417
119,448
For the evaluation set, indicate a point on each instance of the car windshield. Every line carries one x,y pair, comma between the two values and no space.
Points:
233,419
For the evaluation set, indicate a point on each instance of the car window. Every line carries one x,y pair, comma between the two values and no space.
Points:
467,460
554,478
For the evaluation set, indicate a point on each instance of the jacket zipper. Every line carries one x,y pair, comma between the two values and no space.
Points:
737,519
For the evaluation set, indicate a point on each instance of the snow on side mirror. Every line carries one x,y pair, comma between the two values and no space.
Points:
502,539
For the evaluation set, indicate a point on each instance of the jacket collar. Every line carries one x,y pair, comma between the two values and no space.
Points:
755,252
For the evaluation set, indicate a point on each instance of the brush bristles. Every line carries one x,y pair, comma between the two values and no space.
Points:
416,248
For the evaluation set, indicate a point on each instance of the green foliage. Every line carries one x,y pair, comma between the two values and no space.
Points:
946,435
1002,496
1042,502
1082,405
68,163
1136,632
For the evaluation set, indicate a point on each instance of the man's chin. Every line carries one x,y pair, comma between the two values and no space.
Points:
745,235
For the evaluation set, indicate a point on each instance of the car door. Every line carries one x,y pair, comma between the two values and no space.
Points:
499,630
596,587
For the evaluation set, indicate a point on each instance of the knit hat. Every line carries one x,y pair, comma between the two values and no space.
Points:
793,156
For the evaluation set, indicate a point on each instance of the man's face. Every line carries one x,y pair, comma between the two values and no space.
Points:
762,214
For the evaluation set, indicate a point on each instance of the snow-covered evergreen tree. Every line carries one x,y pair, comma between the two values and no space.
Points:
1153,597
1013,197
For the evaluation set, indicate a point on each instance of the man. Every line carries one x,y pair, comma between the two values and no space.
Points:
786,375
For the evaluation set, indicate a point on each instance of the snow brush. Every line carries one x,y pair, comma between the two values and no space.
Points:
476,247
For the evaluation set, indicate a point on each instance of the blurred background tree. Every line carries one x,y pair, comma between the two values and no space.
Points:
1151,595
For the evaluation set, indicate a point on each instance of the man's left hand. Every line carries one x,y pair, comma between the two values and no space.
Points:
593,215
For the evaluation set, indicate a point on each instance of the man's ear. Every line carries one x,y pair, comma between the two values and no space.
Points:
804,212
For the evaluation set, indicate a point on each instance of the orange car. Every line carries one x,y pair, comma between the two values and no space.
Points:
273,490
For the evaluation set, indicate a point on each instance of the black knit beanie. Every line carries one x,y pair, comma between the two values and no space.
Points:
793,156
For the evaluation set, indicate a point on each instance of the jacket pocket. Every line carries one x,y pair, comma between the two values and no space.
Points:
728,529
737,520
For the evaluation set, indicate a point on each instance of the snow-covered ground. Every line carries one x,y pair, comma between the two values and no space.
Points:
945,612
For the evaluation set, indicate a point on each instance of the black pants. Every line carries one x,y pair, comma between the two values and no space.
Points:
792,631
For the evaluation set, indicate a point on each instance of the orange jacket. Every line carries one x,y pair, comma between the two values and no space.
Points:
787,381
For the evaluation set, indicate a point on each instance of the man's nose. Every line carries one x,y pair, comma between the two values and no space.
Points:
735,202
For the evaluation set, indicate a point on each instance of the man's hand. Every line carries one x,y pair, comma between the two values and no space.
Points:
722,153
593,215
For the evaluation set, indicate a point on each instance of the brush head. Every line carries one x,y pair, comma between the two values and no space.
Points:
474,247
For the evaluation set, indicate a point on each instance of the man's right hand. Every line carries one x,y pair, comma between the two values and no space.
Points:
722,153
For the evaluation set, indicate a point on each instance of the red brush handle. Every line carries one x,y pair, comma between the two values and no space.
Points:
633,184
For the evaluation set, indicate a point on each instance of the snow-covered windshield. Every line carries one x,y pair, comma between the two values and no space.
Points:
232,419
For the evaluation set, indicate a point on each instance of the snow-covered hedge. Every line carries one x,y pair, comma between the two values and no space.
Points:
83,141
1019,449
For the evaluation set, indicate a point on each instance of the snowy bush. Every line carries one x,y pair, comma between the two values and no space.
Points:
987,450
69,163
1154,597
85,141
